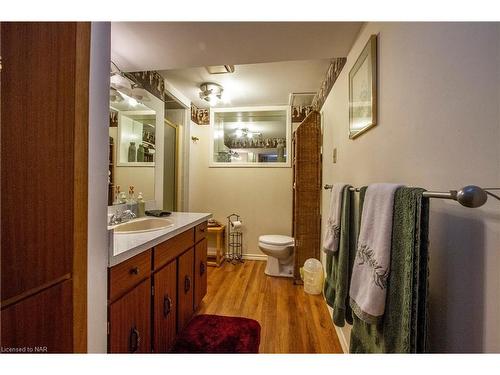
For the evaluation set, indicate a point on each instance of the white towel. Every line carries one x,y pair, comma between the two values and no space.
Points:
332,235
373,257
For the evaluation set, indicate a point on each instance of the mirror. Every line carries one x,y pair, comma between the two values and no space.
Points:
132,149
252,137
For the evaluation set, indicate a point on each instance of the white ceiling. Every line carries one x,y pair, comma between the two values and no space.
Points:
137,46
252,84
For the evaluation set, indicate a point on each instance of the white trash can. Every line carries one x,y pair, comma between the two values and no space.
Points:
312,274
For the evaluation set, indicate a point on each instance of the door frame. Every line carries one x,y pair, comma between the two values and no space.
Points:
176,162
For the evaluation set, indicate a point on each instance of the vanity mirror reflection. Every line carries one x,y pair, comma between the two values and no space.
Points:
135,147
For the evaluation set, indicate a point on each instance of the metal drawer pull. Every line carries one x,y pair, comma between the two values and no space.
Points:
134,271
187,284
167,305
135,340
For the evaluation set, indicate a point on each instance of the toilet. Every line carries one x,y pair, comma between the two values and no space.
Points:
279,250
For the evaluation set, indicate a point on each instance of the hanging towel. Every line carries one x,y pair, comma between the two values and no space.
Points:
405,324
332,236
339,265
372,263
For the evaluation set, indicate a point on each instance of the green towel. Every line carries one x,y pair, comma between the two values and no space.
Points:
339,266
403,328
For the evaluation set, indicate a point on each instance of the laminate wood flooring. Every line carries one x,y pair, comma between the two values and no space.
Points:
292,321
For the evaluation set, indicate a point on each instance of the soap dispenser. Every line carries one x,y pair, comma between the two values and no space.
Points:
131,202
141,205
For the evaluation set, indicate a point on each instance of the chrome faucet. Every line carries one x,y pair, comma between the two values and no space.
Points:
121,217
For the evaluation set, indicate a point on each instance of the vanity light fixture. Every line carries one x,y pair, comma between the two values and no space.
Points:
211,92
126,84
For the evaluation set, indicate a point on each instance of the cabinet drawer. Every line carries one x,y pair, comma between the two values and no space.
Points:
126,275
200,232
172,248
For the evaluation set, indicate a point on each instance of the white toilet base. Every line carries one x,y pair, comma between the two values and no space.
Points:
275,268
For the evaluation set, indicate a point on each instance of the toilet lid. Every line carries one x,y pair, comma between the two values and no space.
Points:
276,239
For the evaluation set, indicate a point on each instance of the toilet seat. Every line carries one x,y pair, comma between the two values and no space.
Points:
276,240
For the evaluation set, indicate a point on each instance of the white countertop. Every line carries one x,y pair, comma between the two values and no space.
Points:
124,246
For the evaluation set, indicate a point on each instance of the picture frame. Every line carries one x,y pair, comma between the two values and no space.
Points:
363,90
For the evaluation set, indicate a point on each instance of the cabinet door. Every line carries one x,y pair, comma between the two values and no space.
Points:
185,288
129,319
165,305
200,272
40,323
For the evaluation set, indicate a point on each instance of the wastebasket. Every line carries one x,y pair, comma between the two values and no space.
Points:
312,274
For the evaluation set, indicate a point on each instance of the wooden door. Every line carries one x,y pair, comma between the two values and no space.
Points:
200,272
130,321
185,288
37,325
165,305
44,126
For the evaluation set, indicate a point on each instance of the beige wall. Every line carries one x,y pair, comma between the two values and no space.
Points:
261,196
439,128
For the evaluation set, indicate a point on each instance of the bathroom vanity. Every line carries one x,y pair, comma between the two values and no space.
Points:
156,281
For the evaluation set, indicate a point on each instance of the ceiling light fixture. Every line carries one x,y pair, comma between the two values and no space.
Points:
211,92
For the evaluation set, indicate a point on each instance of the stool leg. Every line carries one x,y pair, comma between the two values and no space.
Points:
218,249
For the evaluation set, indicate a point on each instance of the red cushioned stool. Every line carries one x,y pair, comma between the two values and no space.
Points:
219,334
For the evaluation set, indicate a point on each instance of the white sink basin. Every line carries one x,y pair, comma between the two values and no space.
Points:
143,225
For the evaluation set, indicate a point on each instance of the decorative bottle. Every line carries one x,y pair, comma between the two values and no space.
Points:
131,202
141,205
131,152
140,153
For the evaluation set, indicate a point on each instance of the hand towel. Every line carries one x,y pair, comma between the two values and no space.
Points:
372,263
332,235
339,265
405,325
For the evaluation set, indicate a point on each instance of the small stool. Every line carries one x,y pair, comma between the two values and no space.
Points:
219,250
219,334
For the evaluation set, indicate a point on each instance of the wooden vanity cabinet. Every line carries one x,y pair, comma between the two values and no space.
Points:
130,321
153,295
165,307
185,288
200,272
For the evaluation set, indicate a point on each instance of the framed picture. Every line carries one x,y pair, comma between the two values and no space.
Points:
363,90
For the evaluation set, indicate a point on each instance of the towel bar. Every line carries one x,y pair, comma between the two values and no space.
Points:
469,196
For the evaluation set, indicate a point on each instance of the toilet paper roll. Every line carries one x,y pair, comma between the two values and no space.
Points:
236,224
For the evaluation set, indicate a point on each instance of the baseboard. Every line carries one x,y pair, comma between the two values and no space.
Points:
340,333
342,339
261,257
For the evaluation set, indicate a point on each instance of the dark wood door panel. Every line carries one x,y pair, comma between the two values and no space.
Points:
185,288
42,323
130,321
200,272
165,306
37,153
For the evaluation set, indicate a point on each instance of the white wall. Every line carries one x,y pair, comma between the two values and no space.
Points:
261,196
98,187
439,128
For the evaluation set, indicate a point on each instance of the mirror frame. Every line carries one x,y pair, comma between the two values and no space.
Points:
287,164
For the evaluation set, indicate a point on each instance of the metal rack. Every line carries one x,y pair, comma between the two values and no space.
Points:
469,196
234,240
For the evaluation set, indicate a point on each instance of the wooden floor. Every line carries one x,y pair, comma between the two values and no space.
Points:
292,321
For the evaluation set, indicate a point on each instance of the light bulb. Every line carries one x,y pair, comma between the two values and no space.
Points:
239,133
